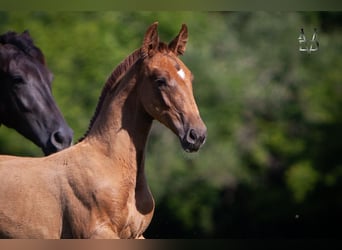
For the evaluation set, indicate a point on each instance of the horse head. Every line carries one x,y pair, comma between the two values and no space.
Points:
166,88
26,101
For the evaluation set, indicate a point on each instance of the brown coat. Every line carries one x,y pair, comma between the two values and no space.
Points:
97,188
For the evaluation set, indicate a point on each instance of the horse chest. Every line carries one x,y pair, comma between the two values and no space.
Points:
140,212
136,225
123,211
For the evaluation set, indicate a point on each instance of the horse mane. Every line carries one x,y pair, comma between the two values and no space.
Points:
112,82
113,79
23,42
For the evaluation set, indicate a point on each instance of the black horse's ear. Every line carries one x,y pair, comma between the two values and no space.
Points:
178,44
151,41
26,34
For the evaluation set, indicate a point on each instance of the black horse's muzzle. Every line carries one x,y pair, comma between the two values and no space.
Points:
59,140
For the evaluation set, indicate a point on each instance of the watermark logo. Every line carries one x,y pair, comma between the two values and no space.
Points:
308,45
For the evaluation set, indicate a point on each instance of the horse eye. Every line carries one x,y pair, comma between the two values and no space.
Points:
17,80
161,81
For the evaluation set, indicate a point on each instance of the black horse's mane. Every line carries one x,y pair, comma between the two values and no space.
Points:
23,42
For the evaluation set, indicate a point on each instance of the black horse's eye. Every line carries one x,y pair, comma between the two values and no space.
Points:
17,80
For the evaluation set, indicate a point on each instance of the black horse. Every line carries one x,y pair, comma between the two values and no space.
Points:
26,102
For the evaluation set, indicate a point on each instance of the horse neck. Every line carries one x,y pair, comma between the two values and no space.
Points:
121,127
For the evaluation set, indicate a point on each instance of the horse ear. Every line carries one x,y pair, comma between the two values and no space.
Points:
151,41
178,44
26,34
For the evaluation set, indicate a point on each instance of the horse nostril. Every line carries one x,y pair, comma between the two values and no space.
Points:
202,139
59,139
192,136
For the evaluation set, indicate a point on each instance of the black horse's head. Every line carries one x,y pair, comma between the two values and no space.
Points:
26,102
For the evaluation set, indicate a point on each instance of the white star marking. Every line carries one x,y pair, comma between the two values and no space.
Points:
181,73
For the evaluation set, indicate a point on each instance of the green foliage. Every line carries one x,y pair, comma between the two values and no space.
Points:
273,113
301,179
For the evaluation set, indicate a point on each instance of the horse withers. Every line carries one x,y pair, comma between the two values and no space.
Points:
97,188
26,101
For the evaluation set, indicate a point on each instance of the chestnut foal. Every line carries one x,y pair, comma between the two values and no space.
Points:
97,188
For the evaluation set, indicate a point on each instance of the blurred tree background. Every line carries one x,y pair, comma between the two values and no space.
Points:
271,166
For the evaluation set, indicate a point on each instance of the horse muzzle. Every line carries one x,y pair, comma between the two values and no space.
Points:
194,139
59,140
